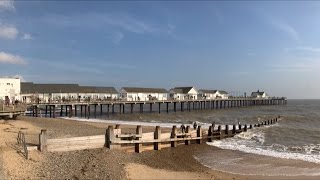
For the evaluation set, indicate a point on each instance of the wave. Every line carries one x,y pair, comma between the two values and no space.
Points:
253,142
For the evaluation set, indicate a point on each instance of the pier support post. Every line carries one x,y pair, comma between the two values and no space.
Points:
175,107
123,108
245,128
37,111
50,111
112,108
131,108
174,136
46,112
138,146
159,108
101,109
81,110
157,136
95,111
199,135
150,107
187,142
75,110
43,140
54,111
167,107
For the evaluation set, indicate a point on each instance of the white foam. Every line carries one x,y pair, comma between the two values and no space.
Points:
252,142
152,123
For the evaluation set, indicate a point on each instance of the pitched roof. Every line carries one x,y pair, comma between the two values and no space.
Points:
208,91
257,93
144,90
223,92
31,88
182,90
94,89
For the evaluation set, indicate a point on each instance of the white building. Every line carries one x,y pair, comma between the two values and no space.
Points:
184,93
9,89
213,94
31,92
143,94
259,94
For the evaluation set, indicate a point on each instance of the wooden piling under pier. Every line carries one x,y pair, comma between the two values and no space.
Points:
70,108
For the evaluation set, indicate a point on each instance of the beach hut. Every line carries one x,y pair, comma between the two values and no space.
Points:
184,93
143,94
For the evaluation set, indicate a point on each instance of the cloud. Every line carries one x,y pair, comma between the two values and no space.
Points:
285,27
27,36
308,48
8,32
7,5
117,37
292,67
123,21
7,58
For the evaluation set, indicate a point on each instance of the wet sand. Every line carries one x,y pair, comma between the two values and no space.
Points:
169,163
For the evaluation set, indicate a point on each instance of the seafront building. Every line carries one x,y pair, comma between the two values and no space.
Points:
12,89
184,93
142,94
259,94
213,94
31,92
9,89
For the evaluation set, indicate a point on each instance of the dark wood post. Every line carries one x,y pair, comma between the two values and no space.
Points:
199,135
54,111
210,134
43,146
174,136
46,112
81,110
157,136
159,108
138,146
187,142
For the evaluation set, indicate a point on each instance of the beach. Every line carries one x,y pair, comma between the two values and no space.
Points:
169,163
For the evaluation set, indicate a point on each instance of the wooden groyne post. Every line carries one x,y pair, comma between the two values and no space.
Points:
43,140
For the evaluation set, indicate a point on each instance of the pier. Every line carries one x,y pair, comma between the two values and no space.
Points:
93,109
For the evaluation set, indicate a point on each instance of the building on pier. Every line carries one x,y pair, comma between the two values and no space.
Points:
259,94
184,93
143,94
31,92
212,94
9,89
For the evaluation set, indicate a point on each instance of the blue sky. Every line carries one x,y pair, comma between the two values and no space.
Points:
235,46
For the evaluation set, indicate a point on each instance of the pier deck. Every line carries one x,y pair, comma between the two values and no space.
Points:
89,109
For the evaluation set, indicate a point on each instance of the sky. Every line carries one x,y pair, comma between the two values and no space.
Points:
233,46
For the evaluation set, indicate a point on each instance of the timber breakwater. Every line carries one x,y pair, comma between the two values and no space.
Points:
114,138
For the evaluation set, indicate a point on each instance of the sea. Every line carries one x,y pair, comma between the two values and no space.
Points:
289,148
